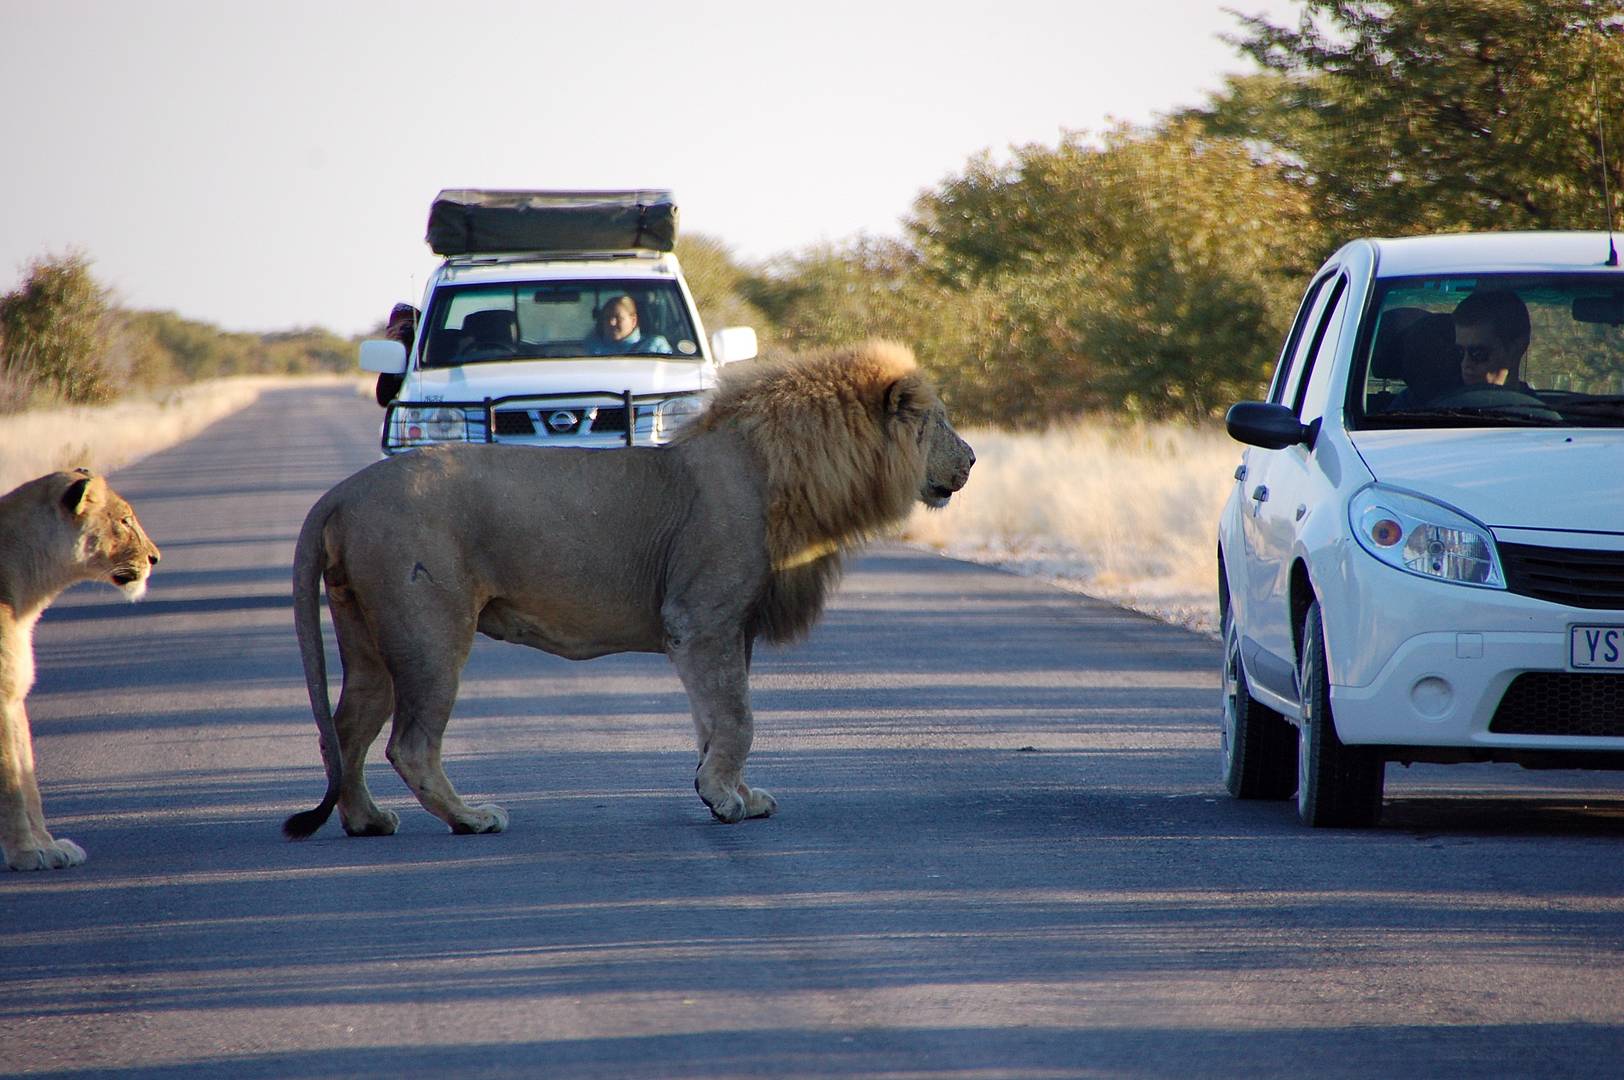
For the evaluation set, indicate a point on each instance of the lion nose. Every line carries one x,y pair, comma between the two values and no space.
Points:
152,557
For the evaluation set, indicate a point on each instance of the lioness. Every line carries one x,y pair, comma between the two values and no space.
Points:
60,529
734,531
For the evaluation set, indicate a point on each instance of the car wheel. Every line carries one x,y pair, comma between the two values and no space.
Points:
1338,786
1259,745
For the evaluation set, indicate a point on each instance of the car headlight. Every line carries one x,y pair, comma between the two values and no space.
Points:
416,424
672,413
1425,538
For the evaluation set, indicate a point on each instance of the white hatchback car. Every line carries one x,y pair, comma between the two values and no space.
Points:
1422,558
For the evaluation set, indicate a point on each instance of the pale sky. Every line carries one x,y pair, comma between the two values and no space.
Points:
270,165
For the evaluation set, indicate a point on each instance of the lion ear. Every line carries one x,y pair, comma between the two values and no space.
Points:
905,397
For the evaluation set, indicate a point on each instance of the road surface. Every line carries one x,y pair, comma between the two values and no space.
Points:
1002,852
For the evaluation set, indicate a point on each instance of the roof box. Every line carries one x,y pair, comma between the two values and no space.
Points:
467,221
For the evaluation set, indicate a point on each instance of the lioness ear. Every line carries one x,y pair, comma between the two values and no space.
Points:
80,494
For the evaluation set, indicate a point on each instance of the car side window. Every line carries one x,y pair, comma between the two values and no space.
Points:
1288,373
1312,394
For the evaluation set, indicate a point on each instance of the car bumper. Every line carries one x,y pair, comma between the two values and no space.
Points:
1446,689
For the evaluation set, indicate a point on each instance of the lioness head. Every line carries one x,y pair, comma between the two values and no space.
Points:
111,543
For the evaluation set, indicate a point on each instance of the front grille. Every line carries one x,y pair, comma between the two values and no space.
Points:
1561,703
513,422
609,419
1571,576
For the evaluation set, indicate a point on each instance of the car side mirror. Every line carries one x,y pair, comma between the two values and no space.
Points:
383,356
731,344
1265,424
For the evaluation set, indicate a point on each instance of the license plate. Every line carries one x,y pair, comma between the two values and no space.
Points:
1596,648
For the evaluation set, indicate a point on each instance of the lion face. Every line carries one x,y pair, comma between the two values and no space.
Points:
947,459
112,544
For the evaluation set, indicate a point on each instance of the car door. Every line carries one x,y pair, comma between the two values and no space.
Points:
1279,486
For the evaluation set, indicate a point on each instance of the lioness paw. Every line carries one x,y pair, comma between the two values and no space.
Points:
57,855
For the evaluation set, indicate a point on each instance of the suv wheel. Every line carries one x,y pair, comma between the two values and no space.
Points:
1338,786
1259,745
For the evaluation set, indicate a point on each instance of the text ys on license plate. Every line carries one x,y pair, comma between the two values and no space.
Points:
1596,648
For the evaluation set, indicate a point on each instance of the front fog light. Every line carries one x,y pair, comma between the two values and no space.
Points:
1425,538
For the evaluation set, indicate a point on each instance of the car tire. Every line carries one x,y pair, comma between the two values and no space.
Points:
1338,786
1259,746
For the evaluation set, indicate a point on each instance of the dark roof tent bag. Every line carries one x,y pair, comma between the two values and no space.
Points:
475,222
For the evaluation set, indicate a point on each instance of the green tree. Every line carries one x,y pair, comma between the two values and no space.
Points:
719,285
1154,272
56,331
1407,116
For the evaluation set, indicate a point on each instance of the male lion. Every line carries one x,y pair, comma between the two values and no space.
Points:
734,531
60,529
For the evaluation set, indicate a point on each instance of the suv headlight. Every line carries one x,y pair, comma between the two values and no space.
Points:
672,413
415,425
1424,538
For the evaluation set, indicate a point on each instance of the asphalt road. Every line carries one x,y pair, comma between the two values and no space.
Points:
1002,851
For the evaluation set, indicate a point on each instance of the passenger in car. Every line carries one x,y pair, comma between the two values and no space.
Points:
617,331
1491,336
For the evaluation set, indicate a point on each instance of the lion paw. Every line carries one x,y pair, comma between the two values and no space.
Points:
725,804
380,823
57,855
758,803
486,818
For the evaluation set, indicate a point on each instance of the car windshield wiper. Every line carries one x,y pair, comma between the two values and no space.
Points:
1486,416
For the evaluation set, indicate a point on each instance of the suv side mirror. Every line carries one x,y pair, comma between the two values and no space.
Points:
1273,427
731,344
383,356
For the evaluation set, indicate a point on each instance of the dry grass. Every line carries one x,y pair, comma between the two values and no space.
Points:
1124,512
107,437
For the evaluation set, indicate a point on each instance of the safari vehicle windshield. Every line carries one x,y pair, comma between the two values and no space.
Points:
1540,350
531,320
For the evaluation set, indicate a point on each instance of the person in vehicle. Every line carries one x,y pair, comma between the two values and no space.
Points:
1491,336
402,327
617,331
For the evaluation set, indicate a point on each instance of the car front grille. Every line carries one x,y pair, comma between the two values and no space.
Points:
1571,576
1561,703
564,422
514,422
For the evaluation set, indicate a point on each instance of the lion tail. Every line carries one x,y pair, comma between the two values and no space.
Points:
309,560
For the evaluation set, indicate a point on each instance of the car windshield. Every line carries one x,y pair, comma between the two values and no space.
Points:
532,320
1493,350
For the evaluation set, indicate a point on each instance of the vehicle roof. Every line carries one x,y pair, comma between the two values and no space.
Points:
1477,253
474,269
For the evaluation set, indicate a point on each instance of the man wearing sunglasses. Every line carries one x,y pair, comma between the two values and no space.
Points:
1491,335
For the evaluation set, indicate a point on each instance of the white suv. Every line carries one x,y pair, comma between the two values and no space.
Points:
1422,558
551,322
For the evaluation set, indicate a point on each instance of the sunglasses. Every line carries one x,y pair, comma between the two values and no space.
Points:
1477,355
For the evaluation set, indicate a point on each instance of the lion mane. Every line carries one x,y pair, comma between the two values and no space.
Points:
835,476
734,531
